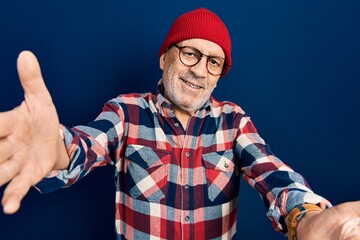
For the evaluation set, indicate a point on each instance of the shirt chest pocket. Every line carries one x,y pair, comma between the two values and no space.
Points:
221,174
147,172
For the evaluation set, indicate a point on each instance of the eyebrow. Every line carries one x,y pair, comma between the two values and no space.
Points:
209,55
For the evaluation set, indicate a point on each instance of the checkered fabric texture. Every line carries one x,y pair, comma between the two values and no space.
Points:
175,183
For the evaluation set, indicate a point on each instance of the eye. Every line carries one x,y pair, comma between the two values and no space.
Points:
216,62
190,53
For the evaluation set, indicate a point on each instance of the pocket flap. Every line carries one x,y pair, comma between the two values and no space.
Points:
146,157
221,161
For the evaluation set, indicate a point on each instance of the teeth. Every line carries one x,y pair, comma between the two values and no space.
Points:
193,86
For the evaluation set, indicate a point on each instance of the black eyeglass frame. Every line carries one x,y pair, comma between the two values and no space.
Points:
201,55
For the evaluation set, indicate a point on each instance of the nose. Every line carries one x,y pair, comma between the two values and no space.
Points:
200,69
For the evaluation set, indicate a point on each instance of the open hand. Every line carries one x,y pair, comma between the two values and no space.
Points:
341,222
29,136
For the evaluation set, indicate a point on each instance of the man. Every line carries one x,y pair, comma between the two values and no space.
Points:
178,153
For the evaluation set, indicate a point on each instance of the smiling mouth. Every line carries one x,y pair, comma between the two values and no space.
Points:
190,85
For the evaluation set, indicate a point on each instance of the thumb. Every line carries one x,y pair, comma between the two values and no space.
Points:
30,74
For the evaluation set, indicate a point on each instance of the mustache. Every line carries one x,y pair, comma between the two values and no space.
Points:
190,75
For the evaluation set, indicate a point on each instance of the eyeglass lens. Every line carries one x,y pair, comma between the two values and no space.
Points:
191,56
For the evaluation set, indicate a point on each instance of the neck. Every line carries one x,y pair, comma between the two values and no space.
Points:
183,116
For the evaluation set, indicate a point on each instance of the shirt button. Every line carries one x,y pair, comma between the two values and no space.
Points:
187,154
187,218
226,165
176,124
186,186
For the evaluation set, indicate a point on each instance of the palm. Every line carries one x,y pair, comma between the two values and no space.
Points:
341,222
29,136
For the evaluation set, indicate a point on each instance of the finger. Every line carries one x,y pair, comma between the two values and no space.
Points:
14,193
30,74
8,170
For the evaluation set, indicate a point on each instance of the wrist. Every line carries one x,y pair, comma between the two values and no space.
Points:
63,160
303,224
297,215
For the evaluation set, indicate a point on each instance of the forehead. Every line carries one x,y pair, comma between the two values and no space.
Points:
205,46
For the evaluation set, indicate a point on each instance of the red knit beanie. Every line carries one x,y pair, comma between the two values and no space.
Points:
200,23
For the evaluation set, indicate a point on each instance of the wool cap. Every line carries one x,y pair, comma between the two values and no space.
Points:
200,23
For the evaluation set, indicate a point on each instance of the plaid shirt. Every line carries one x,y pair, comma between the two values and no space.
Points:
176,183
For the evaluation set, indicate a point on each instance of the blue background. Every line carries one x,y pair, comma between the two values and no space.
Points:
296,71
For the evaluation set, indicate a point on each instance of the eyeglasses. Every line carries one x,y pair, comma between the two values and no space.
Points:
190,56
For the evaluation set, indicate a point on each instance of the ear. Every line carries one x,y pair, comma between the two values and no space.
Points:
162,60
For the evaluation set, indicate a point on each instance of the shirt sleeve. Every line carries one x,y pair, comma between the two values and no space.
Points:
281,187
95,145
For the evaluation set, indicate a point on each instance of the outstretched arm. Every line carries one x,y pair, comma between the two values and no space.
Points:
30,143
